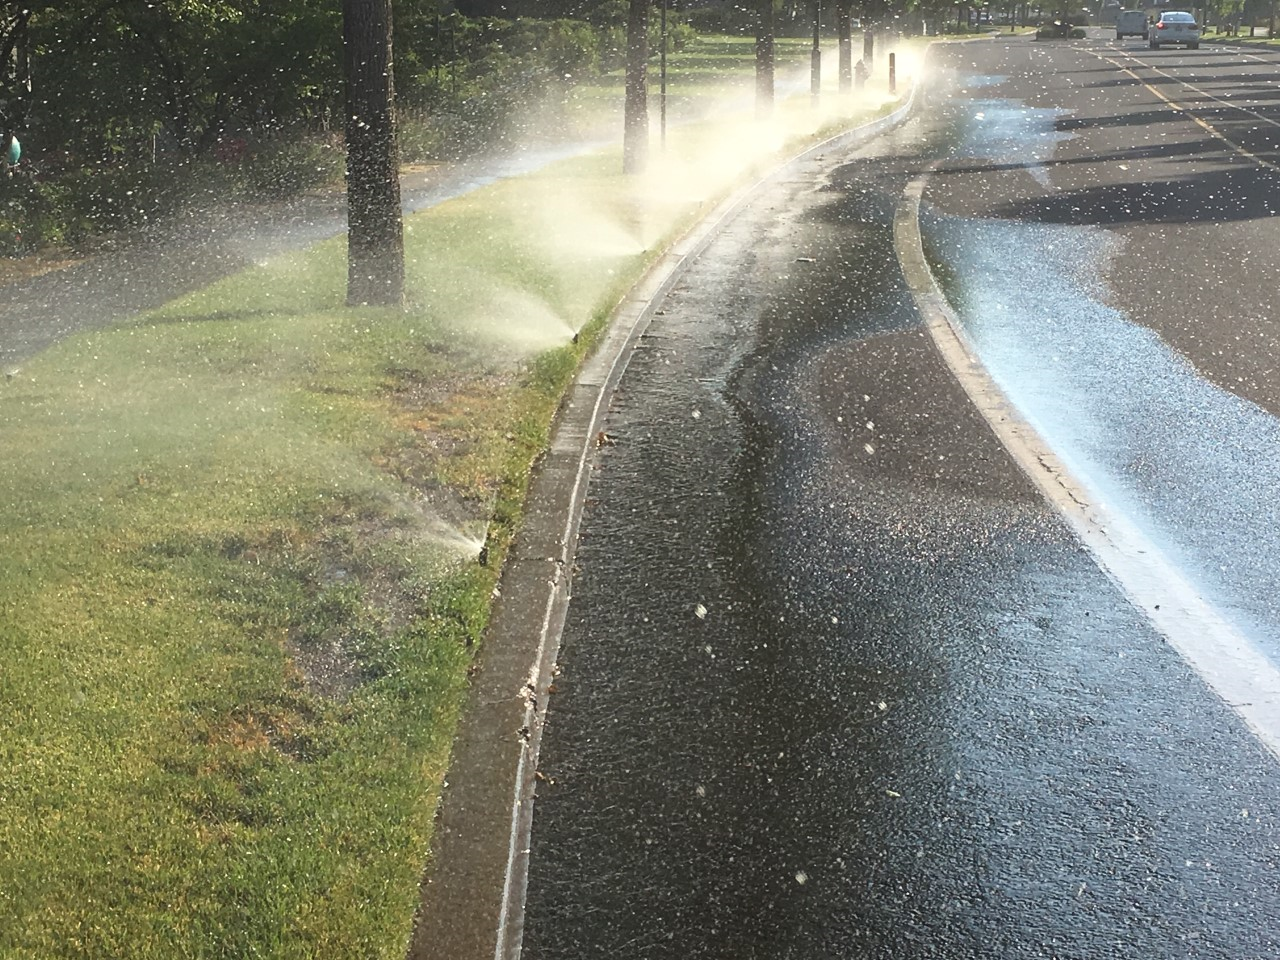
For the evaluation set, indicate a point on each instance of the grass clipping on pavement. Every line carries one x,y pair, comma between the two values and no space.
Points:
241,589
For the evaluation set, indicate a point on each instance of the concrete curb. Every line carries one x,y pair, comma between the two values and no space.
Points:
473,897
1224,658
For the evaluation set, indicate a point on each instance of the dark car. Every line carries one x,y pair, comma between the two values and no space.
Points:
1059,30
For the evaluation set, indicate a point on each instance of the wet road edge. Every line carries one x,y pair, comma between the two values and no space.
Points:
473,892
1226,660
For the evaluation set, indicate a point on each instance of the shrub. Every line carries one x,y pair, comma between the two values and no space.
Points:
103,197
285,167
725,18
28,215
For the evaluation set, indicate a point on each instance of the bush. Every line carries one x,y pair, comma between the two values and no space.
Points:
726,18
679,34
422,139
569,48
282,168
111,196
464,85
28,215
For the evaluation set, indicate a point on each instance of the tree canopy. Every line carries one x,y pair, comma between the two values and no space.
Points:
110,73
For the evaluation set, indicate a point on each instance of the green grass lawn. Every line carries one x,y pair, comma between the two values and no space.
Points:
1242,38
239,554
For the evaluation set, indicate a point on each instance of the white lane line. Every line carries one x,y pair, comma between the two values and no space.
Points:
1196,118
1245,679
1191,86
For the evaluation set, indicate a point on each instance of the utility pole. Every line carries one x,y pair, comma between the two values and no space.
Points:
375,231
815,56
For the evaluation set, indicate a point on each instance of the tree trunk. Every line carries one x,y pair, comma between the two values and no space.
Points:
15,71
764,59
844,14
375,232
635,133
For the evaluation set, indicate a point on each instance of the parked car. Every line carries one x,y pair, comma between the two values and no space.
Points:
1174,26
1059,30
1131,23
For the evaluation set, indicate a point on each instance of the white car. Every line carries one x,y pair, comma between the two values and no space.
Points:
1174,26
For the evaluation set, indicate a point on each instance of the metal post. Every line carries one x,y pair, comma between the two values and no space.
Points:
815,58
893,73
662,97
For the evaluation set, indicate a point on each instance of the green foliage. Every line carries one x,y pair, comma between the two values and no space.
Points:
120,78
281,167
679,33
139,101
729,18
107,197
29,215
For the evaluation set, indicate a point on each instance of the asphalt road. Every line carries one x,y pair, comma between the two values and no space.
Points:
836,681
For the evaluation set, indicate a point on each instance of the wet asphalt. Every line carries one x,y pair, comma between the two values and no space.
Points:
834,681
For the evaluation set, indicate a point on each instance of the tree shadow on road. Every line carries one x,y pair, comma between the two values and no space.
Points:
1229,195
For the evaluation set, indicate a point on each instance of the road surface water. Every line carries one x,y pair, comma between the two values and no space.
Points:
835,682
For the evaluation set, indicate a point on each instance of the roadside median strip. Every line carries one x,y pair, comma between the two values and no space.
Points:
243,582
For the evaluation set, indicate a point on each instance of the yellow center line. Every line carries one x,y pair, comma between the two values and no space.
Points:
1184,108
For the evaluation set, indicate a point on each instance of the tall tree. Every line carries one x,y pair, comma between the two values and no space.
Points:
844,18
15,78
375,231
764,58
15,74
635,133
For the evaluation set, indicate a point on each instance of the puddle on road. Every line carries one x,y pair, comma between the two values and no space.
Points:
1008,133
977,81
1193,465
